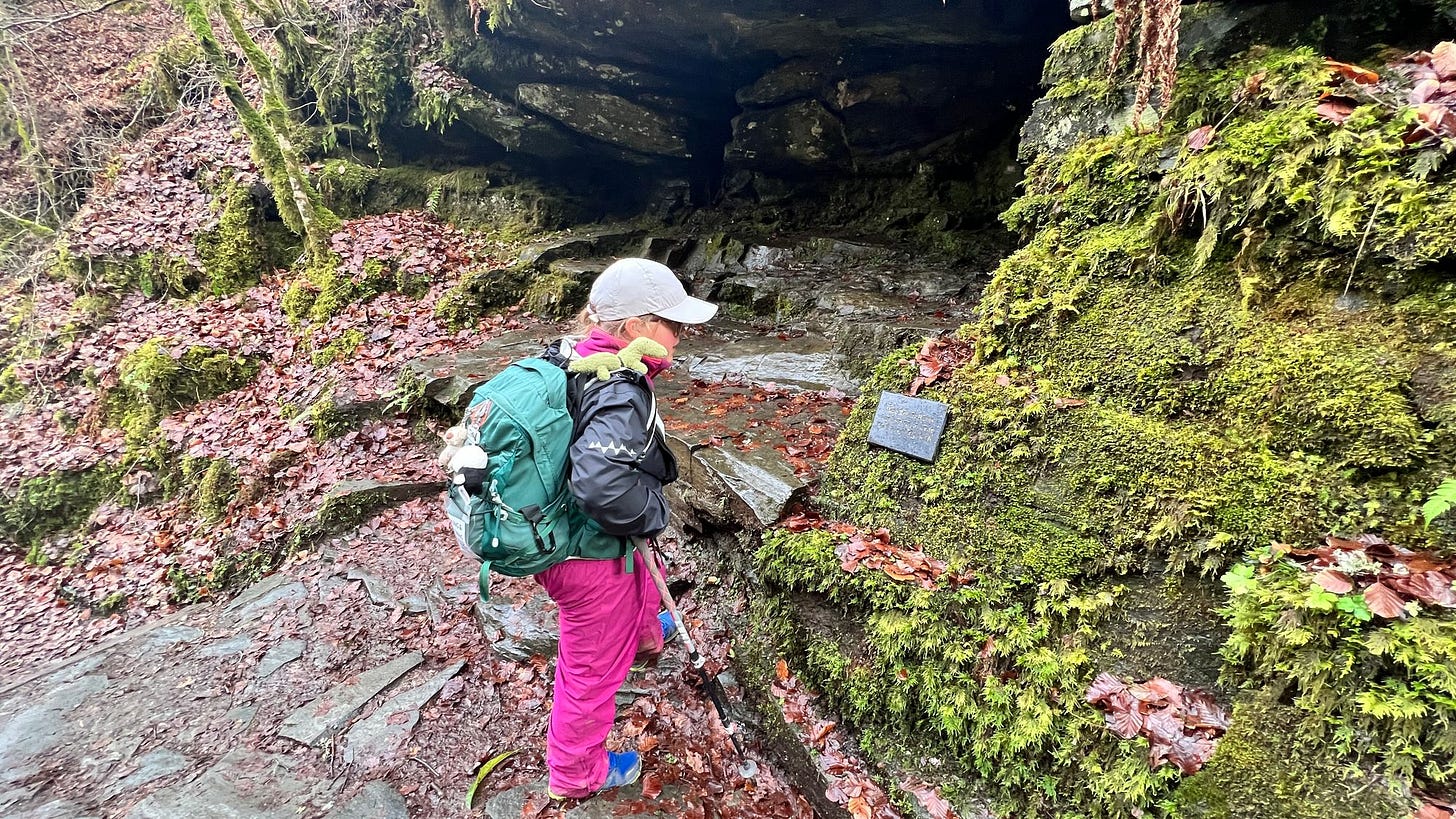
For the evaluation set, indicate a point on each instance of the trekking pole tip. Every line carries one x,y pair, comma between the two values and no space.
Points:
748,769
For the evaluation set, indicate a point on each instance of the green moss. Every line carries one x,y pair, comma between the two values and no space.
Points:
229,570
42,506
965,674
1283,167
345,185
1379,691
479,292
555,295
234,253
91,309
297,300
154,273
11,389
216,489
1262,770
327,421
340,349
164,72
1093,87
1191,356
154,382
323,290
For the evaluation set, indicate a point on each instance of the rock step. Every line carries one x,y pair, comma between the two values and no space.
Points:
380,733
318,720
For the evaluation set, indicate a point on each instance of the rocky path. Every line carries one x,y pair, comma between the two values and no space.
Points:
363,679
353,683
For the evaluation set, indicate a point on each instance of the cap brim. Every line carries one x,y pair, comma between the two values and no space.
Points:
689,311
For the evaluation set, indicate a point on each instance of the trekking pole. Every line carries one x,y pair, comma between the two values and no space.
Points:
747,768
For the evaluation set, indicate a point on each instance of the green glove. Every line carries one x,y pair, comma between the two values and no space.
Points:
630,358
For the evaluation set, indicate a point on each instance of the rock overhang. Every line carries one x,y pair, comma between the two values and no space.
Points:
642,91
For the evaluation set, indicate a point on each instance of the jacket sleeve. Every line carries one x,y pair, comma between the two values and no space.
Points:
605,480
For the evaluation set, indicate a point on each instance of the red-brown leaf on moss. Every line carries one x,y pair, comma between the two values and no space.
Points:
1199,138
929,798
1384,602
939,358
1334,582
1336,109
1352,72
1182,726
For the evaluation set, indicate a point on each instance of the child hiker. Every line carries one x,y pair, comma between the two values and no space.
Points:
618,465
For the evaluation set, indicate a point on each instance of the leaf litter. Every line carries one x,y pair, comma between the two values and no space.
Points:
1182,726
1390,578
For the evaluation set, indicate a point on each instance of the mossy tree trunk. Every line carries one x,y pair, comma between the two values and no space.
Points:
298,201
32,157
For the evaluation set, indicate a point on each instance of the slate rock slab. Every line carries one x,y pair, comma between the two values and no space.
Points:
377,589
762,483
151,766
171,635
518,631
236,644
511,804
279,656
59,809
375,736
376,800
316,721
350,502
251,606
242,785
28,732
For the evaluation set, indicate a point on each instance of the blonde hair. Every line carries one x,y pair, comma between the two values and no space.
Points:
586,320
617,328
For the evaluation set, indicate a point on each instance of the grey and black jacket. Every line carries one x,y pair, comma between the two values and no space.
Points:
619,457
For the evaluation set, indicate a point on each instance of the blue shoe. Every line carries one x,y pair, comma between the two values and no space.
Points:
644,661
622,769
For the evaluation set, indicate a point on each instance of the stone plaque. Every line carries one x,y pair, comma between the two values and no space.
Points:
911,426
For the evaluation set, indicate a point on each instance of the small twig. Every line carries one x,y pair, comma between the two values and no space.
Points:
1360,251
427,765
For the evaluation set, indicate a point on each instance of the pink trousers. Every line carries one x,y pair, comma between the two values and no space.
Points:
607,616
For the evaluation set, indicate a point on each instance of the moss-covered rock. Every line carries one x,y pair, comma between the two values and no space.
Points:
42,506
556,295
1377,691
12,389
1195,353
481,199
344,185
323,289
216,489
234,254
153,383
340,349
1262,770
481,291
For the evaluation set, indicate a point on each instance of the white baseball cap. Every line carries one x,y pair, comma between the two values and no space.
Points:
637,287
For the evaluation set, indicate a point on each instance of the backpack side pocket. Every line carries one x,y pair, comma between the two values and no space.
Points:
469,519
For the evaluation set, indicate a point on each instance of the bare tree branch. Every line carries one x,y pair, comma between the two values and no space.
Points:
46,22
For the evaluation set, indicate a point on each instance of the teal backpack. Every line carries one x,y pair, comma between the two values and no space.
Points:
517,514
